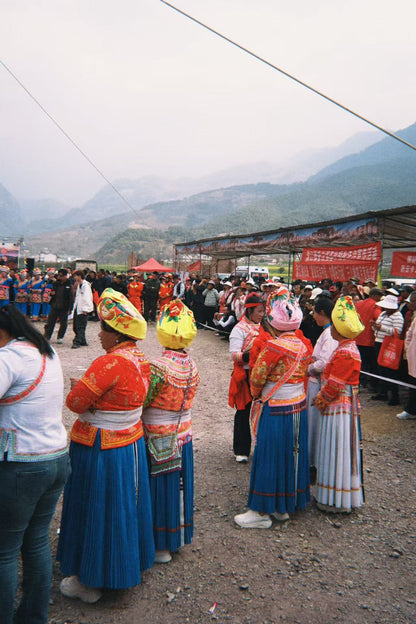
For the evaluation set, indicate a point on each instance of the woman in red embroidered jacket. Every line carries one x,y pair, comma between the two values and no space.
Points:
167,417
339,471
106,536
242,338
279,481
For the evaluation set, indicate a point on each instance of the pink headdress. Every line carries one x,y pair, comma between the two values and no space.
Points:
282,310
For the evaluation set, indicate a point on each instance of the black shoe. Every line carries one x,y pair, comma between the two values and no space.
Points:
75,346
379,397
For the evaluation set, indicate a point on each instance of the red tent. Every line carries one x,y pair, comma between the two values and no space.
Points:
152,265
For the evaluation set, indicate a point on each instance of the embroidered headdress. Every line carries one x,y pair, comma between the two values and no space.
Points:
282,310
176,327
345,318
118,312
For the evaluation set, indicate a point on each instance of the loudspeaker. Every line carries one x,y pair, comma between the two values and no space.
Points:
30,264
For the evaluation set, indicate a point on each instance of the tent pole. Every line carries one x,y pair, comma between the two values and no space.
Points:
379,276
289,269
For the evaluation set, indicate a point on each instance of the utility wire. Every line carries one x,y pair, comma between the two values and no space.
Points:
285,73
87,158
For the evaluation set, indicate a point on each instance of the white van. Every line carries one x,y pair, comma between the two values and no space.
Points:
252,272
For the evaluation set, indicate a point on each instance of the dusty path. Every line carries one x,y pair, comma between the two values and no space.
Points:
312,570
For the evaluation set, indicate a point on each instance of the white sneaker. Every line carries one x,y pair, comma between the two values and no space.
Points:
406,416
241,459
163,556
280,517
60,341
72,588
253,520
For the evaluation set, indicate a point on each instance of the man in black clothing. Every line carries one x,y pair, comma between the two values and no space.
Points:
150,296
62,301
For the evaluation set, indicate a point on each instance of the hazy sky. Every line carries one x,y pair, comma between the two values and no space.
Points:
144,91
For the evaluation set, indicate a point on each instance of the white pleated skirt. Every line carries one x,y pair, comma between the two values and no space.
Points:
339,461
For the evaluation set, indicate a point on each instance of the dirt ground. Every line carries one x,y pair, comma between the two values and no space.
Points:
314,569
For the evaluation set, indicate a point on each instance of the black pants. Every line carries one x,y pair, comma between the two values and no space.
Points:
79,325
242,434
209,312
368,364
53,316
150,308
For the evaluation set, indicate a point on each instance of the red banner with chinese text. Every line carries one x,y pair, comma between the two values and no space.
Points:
403,264
339,263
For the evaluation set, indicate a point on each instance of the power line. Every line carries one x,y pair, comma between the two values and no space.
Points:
285,73
87,158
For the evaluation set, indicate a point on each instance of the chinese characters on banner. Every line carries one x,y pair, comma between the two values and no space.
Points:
404,264
339,263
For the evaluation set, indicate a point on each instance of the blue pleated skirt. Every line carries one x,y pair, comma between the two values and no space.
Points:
173,504
272,482
106,536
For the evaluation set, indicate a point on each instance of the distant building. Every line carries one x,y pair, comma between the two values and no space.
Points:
47,257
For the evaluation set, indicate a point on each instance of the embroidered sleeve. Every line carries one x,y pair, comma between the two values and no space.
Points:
103,374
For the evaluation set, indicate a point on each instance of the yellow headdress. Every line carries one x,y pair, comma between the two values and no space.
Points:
345,318
117,311
176,327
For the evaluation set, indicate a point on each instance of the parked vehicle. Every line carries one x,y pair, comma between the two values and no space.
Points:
252,272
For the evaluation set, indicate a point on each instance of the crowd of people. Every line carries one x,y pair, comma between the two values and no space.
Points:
128,499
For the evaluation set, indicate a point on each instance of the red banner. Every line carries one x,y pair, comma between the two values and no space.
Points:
196,266
339,263
403,264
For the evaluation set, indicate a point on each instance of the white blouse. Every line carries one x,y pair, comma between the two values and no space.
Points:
31,429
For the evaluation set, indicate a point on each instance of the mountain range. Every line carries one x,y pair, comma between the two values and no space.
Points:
328,184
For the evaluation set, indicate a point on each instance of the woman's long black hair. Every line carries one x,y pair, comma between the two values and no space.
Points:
16,325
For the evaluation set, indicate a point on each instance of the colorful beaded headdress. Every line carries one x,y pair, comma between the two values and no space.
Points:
345,318
176,327
117,311
282,310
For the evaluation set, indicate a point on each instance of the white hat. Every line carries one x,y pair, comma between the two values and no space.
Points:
227,284
392,291
316,292
309,286
389,302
